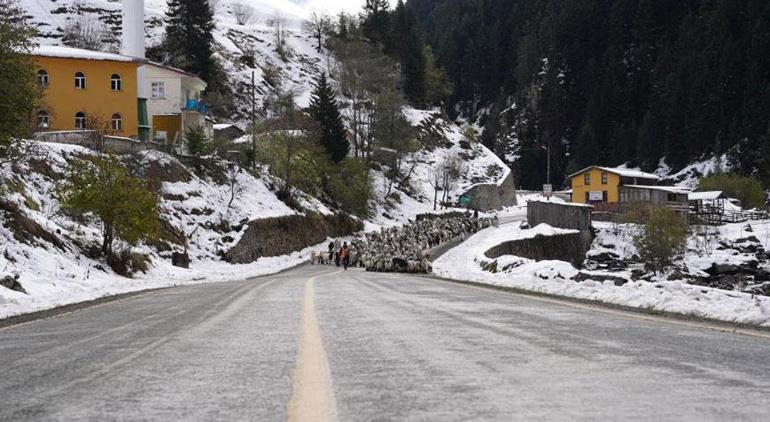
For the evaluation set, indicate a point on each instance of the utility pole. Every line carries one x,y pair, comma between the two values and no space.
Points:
253,120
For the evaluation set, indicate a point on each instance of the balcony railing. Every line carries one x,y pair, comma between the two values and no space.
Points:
196,105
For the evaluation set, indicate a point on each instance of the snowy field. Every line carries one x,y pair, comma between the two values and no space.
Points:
555,278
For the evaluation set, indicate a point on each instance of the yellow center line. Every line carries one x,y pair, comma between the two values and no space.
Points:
312,398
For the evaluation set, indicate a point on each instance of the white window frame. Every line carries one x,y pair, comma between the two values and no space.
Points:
158,89
116,83
80,120
117,123
43,120
42,77
80,80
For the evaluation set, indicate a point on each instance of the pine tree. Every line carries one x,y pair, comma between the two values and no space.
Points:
324,108
17,75
189,45
376,21
189,38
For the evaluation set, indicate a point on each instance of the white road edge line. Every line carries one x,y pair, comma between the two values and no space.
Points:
312,398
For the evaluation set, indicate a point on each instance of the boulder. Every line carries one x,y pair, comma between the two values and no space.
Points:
12,283
179,259
723,269
581,276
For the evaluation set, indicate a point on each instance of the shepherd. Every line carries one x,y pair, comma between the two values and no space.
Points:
345,255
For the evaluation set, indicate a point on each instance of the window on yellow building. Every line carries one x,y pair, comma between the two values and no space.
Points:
587,178
42,78
80,81
43,119
80,120
115,83
605,178
117,122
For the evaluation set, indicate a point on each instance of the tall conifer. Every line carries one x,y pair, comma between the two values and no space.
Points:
324,108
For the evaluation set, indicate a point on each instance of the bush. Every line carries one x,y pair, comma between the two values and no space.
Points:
662,238
126,206
127,263
744,188
198,143
350,186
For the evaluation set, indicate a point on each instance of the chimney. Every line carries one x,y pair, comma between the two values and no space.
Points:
133,29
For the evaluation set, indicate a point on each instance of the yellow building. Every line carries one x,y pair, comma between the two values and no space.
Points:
594,185
83,89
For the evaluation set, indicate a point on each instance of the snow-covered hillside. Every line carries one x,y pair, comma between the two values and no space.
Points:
49,249
236,44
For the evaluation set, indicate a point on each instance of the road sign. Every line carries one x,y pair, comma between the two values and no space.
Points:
547,191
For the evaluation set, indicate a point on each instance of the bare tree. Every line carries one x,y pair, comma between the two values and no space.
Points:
278,23
243,13
233,170
319,26
85,32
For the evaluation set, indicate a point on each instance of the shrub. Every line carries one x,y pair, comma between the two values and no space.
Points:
198,143
661,239
744,188
350,187
126,206
127,263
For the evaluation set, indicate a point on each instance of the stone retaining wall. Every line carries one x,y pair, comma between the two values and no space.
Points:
284,235
493,196
571,247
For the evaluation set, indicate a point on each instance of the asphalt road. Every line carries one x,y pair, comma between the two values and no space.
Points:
316,344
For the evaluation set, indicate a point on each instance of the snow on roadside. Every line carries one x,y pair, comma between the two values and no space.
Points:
69,279
465,263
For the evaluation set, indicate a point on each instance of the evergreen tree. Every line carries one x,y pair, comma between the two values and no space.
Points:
376,21
189,45
325,110
17,76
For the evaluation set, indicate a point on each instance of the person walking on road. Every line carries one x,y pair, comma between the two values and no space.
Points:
331,251
345,255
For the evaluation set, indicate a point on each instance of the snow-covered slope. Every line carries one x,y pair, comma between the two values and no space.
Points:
50,250
236,44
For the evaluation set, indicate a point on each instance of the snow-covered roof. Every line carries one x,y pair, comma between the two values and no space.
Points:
706,196
222,126
670,189
79,53
175,70
621,171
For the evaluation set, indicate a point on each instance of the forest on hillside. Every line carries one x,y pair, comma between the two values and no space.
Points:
608,81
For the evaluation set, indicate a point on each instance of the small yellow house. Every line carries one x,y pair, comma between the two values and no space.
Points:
596,184
81,85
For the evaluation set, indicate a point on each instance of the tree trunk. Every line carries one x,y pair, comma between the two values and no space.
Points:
107,239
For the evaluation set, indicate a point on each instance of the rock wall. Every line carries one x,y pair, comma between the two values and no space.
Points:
493,196
284,235
571,247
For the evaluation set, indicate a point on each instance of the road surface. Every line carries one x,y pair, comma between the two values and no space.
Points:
317,344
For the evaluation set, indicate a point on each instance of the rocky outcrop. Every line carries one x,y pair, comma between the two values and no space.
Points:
12,283
283,235
570,247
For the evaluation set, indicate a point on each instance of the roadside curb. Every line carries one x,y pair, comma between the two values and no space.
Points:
707,323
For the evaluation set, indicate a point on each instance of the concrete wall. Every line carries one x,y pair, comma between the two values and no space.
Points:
89,139
563,216
570,247
283,235
493,196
